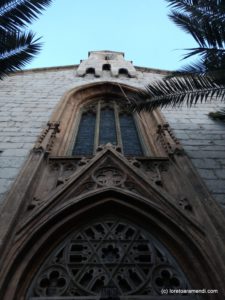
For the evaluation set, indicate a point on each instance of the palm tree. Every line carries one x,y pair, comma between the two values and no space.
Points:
17,46
203,79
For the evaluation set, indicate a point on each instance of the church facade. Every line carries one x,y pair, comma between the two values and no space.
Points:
102,203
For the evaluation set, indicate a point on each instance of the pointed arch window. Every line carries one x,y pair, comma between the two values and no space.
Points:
104,123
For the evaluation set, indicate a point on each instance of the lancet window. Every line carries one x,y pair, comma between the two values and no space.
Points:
104,123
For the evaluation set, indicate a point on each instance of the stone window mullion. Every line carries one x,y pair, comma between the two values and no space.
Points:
97,126
118,132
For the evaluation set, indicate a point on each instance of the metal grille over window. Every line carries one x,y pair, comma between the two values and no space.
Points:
104,123
109,257
84,144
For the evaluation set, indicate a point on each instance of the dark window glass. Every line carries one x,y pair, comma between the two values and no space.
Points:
85,138
130,139
107,130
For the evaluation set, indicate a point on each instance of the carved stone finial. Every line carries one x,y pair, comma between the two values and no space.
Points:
46,140
167,139
54,126
185,204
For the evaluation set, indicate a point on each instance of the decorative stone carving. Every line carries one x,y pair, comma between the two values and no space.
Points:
86,187
185,204
34,203
131,186
65,167
109,176
134,162
153,168
109,256
168,141
47,137
53,281
83,161
167,276
97,59
107,146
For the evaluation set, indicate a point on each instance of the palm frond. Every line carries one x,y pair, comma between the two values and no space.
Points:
202,80
211,59
17,50
15,14
208,7
205,52
206,32
188,26
195,68
177,91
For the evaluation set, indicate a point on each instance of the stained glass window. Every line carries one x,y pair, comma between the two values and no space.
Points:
85,137
107,130
107,123
130,138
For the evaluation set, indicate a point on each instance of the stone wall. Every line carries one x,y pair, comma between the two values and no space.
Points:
204,141
27,100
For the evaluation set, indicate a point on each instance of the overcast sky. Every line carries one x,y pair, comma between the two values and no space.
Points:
139,28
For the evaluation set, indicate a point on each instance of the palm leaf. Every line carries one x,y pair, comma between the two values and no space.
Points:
15,14
202,80
206,31
17,49
177,91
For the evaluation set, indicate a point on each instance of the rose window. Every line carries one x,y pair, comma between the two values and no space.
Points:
109,256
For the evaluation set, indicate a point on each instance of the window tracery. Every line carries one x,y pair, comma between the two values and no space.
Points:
103,123
108,254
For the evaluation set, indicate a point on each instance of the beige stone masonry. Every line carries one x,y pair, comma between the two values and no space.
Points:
28,98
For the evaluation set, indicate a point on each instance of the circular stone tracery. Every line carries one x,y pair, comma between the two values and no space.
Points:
109,176
109,254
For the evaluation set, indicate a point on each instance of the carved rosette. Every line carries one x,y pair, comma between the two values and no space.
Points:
109,176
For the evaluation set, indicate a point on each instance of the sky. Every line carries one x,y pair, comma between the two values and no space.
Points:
139,28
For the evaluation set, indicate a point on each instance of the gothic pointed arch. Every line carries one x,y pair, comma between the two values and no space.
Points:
155,193
104,226
108,255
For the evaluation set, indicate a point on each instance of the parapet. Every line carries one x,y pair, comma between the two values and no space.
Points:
111,61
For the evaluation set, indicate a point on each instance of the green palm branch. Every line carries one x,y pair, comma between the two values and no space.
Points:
18,46
176,91
203,79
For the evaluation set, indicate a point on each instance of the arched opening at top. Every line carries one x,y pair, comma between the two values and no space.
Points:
90,71
106,67
123,71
